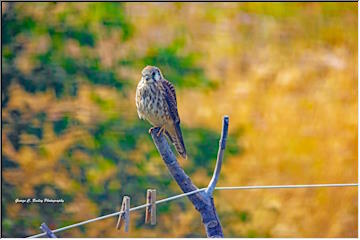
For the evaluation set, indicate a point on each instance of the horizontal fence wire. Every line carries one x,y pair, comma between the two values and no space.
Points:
197,191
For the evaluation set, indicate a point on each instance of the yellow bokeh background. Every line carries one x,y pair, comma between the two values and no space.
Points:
285,74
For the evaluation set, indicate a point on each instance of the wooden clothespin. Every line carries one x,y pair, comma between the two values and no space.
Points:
47,230
125,214
150,214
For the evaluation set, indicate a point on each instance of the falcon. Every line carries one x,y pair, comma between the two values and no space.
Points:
156,103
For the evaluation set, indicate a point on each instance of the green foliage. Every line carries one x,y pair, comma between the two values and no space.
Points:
61,125
181,70
54,69
244,216
208,141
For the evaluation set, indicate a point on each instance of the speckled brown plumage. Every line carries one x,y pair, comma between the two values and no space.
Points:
156,102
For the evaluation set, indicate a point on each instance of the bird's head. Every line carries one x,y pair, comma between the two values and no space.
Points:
151,74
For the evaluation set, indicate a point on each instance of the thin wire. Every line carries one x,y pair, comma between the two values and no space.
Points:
118,213
196,191
288,186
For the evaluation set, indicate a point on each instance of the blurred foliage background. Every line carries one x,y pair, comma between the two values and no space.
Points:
285,73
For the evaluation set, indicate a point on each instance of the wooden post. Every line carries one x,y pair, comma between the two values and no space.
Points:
150,214
124,216
47,230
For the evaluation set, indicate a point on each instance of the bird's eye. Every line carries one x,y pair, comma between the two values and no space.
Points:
153,74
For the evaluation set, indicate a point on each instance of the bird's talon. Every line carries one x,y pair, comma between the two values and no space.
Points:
162,129
151,129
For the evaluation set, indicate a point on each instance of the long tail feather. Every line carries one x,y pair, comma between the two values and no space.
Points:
176,138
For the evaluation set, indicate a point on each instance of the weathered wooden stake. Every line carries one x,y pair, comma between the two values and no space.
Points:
150,214
47,230
124,216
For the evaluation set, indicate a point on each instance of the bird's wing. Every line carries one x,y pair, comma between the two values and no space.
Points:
170,97
174,132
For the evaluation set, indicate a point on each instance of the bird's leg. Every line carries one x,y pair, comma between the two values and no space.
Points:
162,129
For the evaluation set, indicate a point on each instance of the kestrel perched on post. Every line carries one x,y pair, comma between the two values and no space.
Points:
156,102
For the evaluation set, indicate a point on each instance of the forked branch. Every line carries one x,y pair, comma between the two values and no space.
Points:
220,156
202,201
